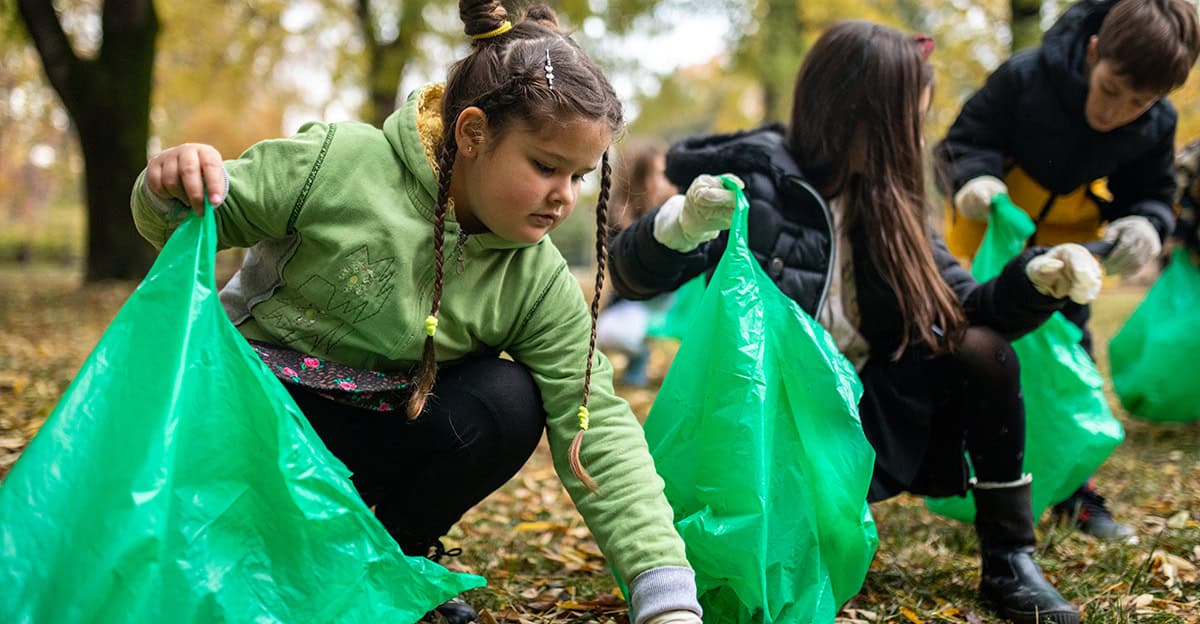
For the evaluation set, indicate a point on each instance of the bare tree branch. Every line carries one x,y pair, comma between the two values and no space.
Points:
58,58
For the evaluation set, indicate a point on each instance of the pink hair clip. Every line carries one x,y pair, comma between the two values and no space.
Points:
925,43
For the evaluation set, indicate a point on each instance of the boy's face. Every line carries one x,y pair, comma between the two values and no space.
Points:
1111,101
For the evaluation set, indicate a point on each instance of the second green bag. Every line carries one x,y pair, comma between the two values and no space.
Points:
756,434
1069,428
1153,350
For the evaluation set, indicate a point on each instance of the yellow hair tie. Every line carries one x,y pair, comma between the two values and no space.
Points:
583,417
495,32
431,325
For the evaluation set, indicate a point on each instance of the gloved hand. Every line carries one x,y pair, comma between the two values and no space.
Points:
1066,270
684,222
675,617
974,199
1137,243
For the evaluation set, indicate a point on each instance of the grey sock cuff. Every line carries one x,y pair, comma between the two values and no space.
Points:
659,590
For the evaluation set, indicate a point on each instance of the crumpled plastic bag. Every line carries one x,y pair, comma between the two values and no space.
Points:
757,435
176,481
1069,428
1152,353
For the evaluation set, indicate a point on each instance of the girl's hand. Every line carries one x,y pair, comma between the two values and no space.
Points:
186,172
686,221
1066,270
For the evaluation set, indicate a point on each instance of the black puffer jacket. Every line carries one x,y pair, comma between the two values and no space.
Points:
1030,114
790,234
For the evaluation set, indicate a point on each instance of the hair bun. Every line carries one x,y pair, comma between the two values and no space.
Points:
481,16
543,15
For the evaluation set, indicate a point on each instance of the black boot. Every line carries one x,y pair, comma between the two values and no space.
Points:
1086,509
1010,580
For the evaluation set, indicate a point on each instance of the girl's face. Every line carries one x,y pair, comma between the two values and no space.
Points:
525,182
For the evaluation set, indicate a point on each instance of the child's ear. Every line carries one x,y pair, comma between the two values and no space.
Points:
1093,50
470,130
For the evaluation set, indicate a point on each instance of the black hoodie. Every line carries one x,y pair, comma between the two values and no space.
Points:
1030,114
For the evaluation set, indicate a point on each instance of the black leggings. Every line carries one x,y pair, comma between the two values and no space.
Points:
922,412
482,423
992,406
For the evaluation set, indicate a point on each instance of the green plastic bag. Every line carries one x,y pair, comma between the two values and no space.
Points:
1069,427
176,481
757,435
676,320
1153,350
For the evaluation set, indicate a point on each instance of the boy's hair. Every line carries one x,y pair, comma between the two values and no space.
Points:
508,75
1154,43
856,131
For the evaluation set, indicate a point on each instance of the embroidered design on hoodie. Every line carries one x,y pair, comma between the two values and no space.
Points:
325,308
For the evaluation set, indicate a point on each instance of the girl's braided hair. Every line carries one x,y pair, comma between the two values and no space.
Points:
505,75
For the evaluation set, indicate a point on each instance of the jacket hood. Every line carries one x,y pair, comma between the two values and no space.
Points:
1064,50
761,149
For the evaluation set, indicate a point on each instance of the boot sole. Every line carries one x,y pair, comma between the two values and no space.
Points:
1030,617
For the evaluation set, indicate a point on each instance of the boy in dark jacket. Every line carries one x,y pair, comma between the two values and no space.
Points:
1079,133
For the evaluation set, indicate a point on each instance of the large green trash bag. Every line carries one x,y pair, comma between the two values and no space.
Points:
1153,351
756,433
677,319
176,481
1069,428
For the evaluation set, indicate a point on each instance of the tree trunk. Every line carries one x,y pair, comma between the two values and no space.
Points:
108,99
1026,23
387,60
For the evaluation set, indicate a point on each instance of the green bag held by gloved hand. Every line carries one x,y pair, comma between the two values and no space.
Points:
756,433
1152,352
1069,427
676,320
177,481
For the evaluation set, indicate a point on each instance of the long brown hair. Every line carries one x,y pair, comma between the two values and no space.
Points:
856,129
506,76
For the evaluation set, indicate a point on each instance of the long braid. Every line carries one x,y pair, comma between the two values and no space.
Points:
428,371
601,262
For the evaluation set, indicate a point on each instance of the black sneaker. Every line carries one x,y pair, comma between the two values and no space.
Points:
453,611
1086,509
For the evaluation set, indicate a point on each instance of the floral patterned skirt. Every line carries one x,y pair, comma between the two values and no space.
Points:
364,389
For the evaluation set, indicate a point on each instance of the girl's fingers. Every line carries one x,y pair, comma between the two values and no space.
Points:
214,176
169,176
191,179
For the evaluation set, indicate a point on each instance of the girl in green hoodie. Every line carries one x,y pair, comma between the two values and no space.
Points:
388,268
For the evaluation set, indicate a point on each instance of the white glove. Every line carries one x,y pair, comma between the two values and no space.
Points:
1137,243
680,616
1066,270
974,199
684,222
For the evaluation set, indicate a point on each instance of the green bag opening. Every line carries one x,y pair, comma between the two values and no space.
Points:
1157,343
756,433
1069,427
177,481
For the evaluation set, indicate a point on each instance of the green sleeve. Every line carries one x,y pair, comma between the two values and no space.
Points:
628,514
268,184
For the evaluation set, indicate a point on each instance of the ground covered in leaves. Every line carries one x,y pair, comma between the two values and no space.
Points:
543,566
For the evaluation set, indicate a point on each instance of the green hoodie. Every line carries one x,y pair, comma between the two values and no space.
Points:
339,221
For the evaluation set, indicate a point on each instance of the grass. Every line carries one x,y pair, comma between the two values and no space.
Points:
543,566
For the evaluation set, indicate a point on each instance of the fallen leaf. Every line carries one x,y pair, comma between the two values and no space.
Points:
1179,520
911,615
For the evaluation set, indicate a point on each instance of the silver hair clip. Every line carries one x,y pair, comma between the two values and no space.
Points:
549,70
